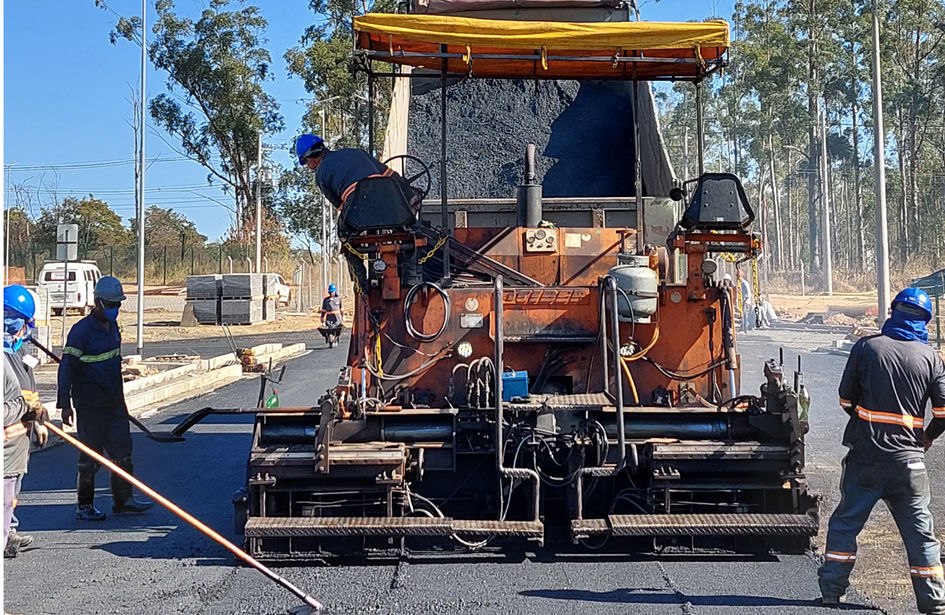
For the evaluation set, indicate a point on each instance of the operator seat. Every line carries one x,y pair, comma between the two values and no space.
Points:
377,203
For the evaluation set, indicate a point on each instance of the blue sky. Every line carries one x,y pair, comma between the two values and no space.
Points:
67,101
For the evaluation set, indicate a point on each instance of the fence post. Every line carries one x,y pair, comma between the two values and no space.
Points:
803,294
111,260
191,260
220,260
230,258
164,283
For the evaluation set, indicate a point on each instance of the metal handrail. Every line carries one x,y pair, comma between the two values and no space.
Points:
510,473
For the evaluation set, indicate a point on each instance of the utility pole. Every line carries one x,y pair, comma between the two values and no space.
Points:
325,206
259,204
139,338
879,166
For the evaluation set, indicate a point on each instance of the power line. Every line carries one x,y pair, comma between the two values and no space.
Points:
13,167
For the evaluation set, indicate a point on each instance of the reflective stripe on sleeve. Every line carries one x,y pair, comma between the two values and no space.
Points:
73,351
938,413
840,556
846,403
348,191
903,420
98,358
14,431
926,571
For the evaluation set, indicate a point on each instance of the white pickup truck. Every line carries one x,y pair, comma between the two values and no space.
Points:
82,278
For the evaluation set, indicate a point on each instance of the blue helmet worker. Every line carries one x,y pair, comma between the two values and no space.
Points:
332,312
90,379
23,411
19,309
338,172
887,384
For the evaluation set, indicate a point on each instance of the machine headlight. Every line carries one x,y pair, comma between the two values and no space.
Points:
378,266
709,267
464,350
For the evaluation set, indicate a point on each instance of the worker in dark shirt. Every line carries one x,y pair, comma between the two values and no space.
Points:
90,379
887,384
332,312
337,173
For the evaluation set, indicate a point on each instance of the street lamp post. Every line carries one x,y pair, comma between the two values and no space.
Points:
139,337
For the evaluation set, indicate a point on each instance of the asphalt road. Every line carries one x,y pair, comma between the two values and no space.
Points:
156,564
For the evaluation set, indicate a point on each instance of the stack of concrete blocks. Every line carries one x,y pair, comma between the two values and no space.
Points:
241,298
203,293
270,297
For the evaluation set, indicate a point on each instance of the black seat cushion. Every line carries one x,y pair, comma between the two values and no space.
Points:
377,203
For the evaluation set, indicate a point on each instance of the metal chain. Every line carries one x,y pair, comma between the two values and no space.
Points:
363,257
428,255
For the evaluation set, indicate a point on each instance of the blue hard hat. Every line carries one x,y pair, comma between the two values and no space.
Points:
108,288
915,297
332,288
307,146
19,300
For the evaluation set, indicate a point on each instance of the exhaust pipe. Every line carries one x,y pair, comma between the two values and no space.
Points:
529,193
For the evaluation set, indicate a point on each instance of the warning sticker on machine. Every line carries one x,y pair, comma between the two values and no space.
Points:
470,321
572,240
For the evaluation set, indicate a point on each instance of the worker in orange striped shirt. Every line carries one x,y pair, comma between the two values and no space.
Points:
889,381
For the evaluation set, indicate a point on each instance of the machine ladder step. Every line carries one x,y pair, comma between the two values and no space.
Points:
293,527
717,524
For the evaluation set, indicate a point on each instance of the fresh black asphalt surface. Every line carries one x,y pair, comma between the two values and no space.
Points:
157,564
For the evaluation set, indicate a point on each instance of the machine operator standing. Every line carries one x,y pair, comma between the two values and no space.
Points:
90,379
888,381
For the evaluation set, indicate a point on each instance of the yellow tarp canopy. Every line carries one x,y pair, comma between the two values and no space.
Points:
506,34
545,49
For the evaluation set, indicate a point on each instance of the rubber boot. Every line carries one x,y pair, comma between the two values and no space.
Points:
123,501
85,489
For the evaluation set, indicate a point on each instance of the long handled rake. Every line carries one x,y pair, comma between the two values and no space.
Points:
311,604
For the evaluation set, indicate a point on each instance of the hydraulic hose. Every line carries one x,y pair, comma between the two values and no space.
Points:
408,301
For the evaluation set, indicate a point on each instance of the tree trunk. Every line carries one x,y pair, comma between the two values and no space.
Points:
813,166
793,250
902,222
859,233
776,200
825,200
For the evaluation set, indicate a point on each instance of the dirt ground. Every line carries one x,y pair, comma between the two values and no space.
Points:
839,309
162,325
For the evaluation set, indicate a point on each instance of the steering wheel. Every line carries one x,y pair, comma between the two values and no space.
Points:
424,174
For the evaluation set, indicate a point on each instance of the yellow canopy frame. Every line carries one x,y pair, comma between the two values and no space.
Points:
552,50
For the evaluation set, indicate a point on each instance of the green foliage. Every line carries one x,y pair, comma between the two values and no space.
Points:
300,203
324,61
216,105
99,226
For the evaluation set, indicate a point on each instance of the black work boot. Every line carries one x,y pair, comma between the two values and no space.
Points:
123,501
85,490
